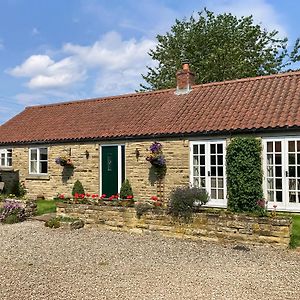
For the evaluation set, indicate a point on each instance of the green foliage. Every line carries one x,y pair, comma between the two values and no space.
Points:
295,237
18,189
244,174
218,47
53,223
142,208
126,190
78,188
184,199
11,219
45,207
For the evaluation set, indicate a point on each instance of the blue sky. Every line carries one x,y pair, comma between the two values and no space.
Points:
61,50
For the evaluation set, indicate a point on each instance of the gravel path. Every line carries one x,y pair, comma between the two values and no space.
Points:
42,263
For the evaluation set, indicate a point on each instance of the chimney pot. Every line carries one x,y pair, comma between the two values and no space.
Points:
185,79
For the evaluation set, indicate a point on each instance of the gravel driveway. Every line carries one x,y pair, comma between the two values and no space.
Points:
42,263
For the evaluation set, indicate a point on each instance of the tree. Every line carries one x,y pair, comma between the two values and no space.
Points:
218,47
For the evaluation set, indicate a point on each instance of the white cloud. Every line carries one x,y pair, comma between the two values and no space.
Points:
1,44
117,62
262,11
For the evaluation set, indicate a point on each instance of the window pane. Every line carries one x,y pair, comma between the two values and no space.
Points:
279,184
213,171
292,159
220,159
277,146
33,154
292,171
202,180
2,161
220,194
291,146
214,182
44,167
196,171
202,160
213,160
196,160
270,159
269,146
292,196
33,167
220,148
270,184
202,149
220,183
298,146
220,171
195,149
292,184
214,194
278,172
202,171
196,182
270,196
213,148
9,162
270,171
278,196
278,159
43,154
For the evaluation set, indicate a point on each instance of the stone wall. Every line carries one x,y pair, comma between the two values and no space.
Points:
138,171
217,226
60,179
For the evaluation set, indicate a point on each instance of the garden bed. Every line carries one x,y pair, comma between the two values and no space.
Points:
218,226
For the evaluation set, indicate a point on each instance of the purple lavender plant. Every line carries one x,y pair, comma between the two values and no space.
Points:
11,207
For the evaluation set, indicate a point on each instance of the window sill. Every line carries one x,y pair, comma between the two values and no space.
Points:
38,177
7,169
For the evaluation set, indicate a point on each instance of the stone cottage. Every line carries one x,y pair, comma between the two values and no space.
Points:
107,139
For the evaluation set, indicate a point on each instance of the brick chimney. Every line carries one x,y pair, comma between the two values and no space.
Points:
185,79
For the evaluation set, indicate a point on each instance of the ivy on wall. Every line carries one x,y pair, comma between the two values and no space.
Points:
244,174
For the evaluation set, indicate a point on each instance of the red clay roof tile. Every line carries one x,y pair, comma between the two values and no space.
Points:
252,103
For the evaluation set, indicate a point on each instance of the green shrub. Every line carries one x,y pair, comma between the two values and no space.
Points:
142,208
53,223
244,174
78,188
11,219
126,190
184,199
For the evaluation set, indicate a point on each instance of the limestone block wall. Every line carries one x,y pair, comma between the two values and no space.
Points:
141,176
138,171
60,179
217,226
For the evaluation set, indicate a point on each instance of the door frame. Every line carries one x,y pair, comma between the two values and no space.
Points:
207,142
285,205
119,164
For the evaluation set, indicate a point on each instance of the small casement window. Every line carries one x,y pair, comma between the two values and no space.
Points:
38,160
5,157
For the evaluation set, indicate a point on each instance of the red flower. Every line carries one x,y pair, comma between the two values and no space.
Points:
96,195
76,196
93,196
88,195
129,197
111,198
61,196
103,195
154,198
81,196
116,196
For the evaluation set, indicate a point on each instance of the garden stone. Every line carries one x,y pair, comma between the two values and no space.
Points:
77,224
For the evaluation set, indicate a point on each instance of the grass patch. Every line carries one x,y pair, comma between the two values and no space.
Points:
295,237
45,207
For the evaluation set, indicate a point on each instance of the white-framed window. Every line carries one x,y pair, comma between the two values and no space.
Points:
38,160
5,157
208,169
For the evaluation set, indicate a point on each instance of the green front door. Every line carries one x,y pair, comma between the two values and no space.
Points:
110,176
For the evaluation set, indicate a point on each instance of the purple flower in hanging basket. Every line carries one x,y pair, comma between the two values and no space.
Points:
156,147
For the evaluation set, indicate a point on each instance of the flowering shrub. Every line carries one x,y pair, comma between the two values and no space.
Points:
95,199
143,207
12,212
157,159
64,161
156,156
